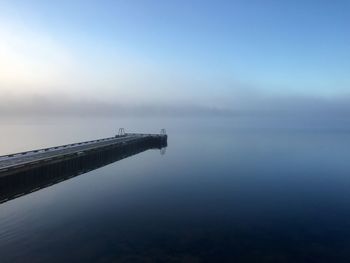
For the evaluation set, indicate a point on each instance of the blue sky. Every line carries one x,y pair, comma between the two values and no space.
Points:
145,51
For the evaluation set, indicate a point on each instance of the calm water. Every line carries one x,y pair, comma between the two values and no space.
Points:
221,193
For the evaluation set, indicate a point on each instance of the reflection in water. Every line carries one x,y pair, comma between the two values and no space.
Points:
23,183
223,196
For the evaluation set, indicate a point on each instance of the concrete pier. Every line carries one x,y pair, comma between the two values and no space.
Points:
13,163
25,175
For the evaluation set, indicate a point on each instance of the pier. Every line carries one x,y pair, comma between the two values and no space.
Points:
13,163
27,172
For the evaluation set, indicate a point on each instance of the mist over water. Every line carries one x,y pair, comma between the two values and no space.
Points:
255,99
227,189
24,133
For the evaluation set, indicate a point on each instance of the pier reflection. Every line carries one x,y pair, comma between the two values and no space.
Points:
25,182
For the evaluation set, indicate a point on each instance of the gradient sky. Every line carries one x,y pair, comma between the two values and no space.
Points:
213,53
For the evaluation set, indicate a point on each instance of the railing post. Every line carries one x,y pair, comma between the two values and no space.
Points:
121,132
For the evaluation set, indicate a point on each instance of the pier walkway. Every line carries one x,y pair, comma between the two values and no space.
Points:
36,157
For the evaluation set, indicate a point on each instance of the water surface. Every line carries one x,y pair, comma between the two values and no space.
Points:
219,194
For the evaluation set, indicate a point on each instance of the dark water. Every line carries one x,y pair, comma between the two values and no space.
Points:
217,195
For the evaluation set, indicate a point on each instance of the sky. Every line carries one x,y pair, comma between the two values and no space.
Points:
174,55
